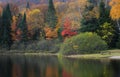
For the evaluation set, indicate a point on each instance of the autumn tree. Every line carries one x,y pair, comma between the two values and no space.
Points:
77,6
51,33
51,18
67,30
14,9
5,32
35,20
14,27
115,12
74,18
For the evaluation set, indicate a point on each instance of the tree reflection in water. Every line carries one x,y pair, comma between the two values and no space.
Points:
115,65
51,66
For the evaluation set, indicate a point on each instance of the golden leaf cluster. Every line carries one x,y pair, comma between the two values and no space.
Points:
115,11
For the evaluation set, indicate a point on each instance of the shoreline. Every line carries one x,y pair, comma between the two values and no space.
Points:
110,54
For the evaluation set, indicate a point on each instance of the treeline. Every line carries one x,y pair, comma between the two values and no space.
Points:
59,21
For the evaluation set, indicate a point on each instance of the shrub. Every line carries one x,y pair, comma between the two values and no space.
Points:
83,43
41,46
18,46
46,45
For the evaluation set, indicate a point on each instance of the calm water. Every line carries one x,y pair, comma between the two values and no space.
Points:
40,66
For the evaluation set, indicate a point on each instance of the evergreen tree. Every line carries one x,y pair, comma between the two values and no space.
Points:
103,18
59,34
5,29
103,14
24,29
51,18
89,23
28,5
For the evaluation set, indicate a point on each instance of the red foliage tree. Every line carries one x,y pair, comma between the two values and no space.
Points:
67,30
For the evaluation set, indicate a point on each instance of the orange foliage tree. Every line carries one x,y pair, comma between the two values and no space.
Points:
14,27
50,32
115,11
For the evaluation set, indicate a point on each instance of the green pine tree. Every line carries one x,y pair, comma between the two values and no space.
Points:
23,27
28,6
51,18
88,22
103,14
5,29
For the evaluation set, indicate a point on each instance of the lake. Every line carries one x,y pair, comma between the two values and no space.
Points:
51,66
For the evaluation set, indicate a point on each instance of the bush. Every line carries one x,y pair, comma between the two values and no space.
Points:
41,46
45,45
83,43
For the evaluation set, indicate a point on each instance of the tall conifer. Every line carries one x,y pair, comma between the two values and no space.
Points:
51,18
24,29
89,23
5,32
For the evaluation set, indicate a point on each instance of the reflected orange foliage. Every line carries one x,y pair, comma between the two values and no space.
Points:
16,71
51,71
31,72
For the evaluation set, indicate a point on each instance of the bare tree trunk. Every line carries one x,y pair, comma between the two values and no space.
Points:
80,14
106,3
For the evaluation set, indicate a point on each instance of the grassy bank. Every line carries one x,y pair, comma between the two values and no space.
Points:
28,52
105,54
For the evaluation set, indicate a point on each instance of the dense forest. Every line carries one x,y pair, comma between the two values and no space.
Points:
68,27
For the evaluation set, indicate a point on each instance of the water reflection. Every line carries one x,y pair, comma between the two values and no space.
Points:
115,65
47,66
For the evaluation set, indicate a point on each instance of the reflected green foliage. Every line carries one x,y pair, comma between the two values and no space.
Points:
83,68
51,66
86,68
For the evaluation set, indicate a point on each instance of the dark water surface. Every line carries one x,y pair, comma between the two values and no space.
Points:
51,66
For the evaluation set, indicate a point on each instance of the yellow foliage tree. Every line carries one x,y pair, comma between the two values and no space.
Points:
35,18
115,11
